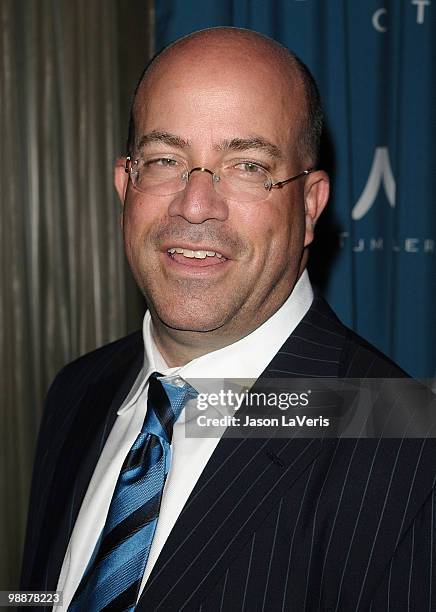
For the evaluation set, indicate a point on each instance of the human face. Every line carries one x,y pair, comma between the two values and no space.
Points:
200,112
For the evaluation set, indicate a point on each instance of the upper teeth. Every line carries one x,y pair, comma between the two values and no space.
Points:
197,254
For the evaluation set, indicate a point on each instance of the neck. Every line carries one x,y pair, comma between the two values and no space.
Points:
179,347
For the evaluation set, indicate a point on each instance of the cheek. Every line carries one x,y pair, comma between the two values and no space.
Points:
282,245
278,232
134,214
138,218
136,228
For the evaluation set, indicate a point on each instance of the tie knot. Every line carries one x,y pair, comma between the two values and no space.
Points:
164,405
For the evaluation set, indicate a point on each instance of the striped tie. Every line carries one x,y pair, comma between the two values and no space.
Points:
114,574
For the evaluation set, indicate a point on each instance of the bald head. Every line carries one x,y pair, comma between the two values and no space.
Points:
239,53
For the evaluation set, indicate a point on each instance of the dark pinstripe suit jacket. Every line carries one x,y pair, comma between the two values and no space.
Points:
273,525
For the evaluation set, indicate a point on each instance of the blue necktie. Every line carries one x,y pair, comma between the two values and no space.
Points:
114,574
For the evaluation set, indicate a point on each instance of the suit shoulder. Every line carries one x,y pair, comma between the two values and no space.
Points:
102,360
121,347
105,365
360,359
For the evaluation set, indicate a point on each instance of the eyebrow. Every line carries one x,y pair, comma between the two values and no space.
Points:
163,137
234,144
254,142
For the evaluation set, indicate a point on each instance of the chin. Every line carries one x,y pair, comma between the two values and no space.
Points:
190,322
191,326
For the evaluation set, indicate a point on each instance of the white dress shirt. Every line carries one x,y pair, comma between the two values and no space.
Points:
245,359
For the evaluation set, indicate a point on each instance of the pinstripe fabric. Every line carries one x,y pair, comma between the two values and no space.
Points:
278,524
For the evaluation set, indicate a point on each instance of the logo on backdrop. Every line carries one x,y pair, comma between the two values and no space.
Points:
380,16
379,175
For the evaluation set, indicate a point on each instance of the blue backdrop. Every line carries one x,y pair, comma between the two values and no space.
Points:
375,63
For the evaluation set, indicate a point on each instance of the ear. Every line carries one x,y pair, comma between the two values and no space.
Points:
121,178
316,195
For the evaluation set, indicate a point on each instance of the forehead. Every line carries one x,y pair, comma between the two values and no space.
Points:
220,93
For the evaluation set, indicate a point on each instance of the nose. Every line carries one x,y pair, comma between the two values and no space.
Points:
199,201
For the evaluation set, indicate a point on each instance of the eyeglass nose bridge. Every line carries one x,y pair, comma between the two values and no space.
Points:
187,175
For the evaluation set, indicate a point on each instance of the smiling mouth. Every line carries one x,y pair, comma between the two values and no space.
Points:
205,258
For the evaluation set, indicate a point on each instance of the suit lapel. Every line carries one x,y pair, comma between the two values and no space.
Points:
243,480
313,349
86,433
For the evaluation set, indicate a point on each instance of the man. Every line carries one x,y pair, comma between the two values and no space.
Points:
220,197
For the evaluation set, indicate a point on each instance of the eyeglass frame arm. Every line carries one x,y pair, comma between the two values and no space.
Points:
292,178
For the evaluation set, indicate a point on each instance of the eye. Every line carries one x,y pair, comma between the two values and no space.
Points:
249,167
163,162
